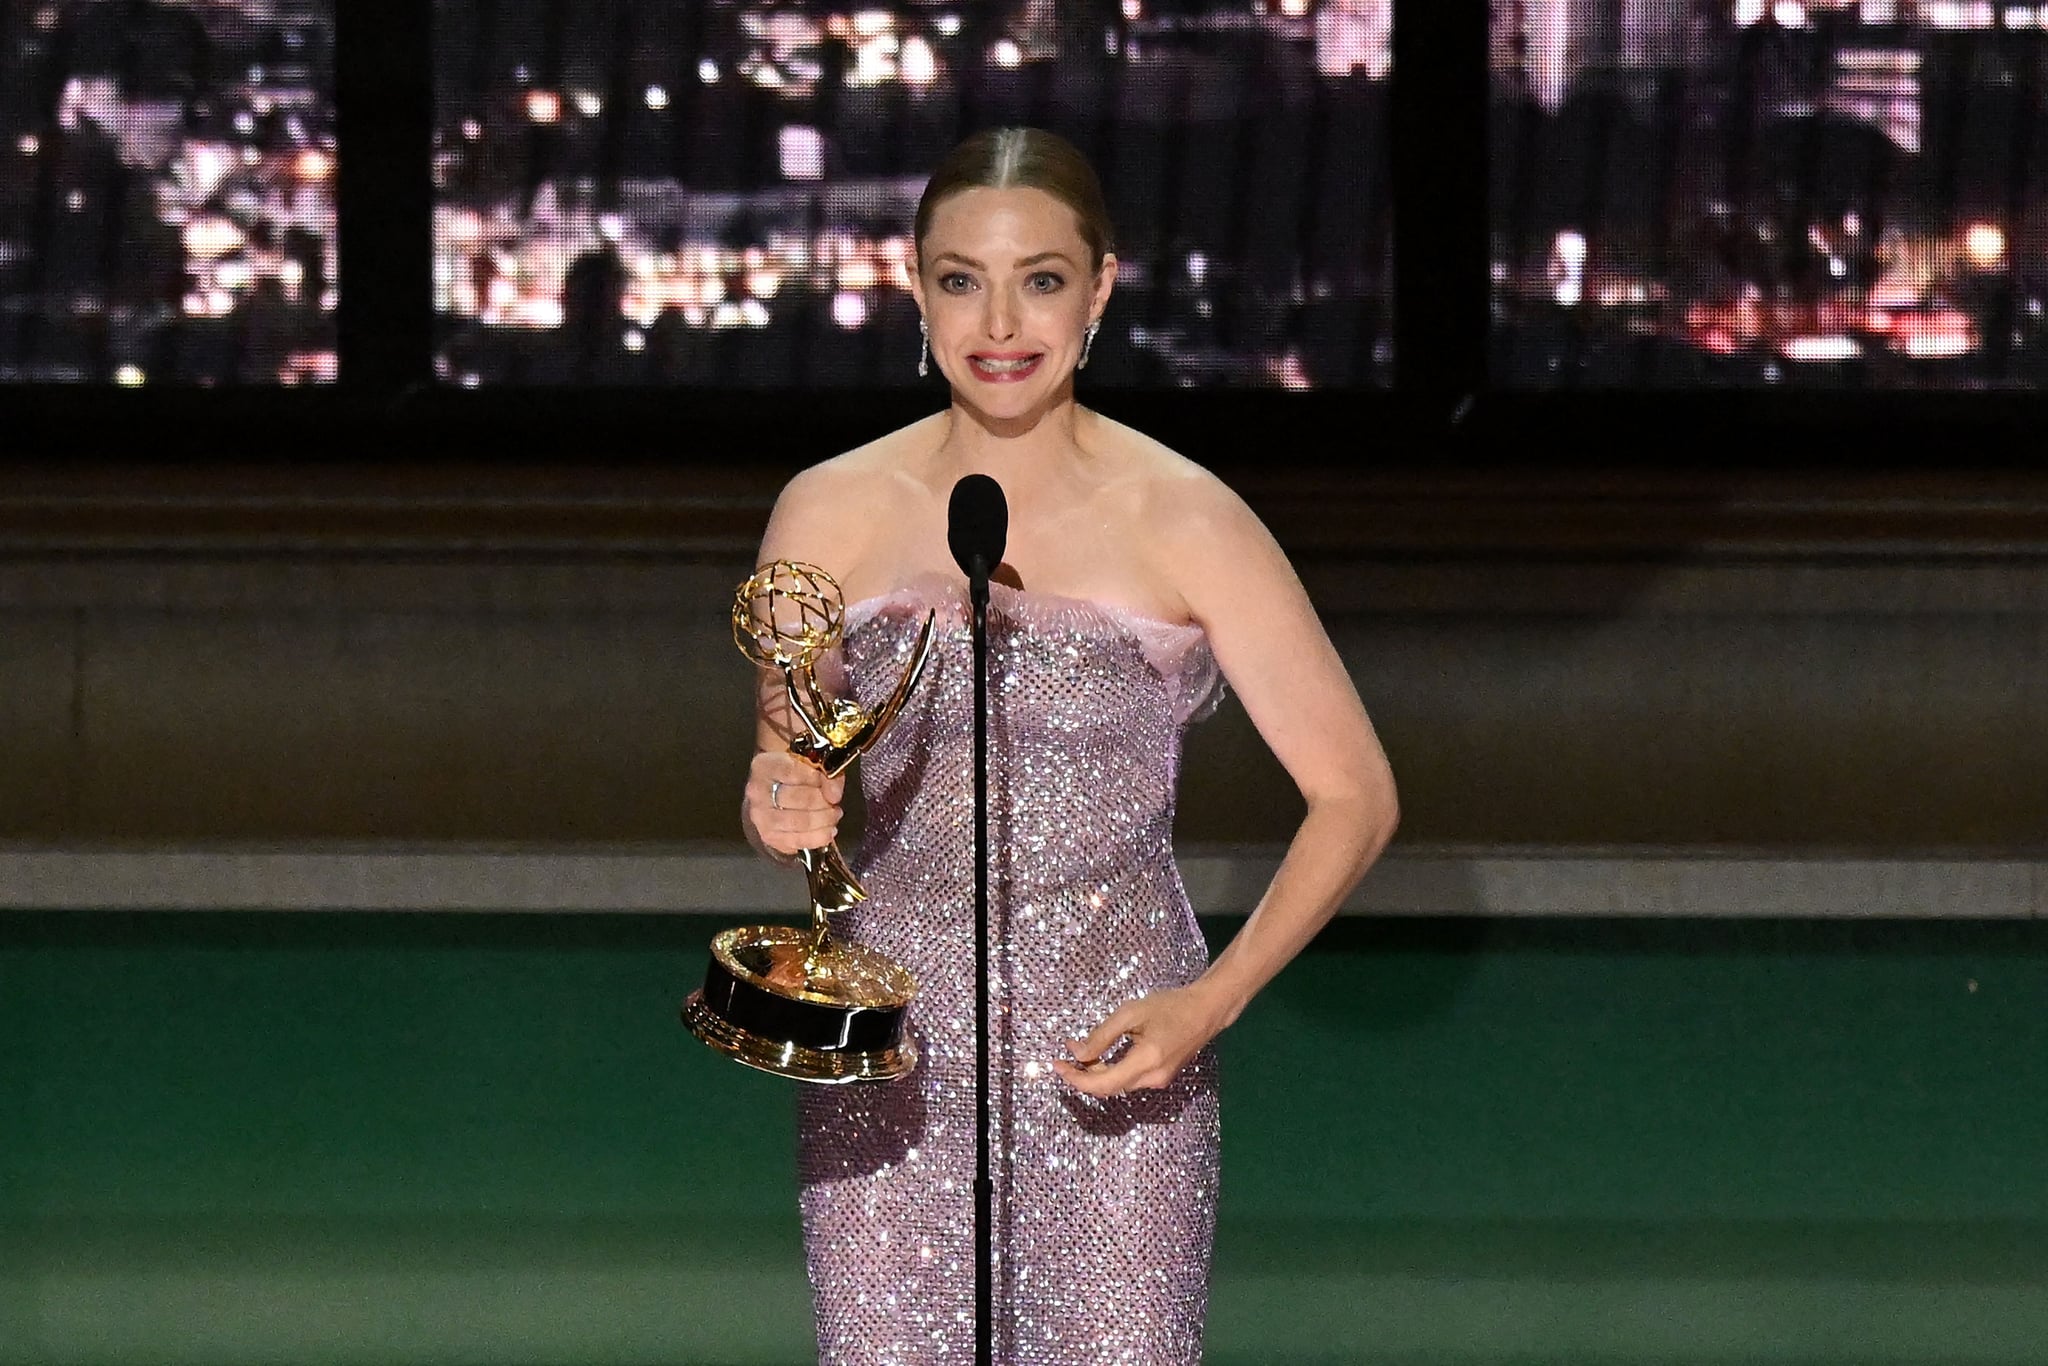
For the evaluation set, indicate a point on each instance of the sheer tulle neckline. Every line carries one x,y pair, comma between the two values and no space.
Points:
950,596
1177,651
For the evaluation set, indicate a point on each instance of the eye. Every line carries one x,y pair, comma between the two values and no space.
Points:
1047,282
956,282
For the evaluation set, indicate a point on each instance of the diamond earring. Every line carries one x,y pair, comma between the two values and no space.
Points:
1088,343
924,349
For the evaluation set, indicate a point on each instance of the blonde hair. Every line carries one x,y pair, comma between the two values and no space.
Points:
1022,159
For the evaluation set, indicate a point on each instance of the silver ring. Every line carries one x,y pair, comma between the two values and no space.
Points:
775,795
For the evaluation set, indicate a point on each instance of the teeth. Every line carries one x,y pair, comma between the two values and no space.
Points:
1004,367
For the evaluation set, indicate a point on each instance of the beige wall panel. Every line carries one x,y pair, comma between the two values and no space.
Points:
1853,731
562,727
38,768
293,699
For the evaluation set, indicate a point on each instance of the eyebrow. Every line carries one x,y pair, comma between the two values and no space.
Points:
973,264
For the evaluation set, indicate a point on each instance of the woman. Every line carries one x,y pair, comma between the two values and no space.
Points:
1130,577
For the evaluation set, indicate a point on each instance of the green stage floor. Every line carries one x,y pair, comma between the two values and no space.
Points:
367,1139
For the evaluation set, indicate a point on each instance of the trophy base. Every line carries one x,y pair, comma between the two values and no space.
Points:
778,999
794,1060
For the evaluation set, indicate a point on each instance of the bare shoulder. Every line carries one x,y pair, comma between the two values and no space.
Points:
1170,496
1202,543
824,512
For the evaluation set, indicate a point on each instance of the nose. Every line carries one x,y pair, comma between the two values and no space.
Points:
999,316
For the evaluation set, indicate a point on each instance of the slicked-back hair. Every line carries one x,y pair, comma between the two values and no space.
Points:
1022,159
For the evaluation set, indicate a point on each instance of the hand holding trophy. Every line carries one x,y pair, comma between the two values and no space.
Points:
796,1002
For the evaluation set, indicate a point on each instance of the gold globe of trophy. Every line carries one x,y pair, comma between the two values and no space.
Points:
788,1000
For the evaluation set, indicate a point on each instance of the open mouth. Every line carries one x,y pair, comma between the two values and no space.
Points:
1005,369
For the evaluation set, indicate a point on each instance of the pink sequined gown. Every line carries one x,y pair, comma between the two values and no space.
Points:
1105,1210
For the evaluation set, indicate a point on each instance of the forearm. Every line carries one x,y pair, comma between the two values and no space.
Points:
1337,841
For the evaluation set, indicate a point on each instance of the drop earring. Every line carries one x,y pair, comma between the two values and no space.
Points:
1088,343
924,349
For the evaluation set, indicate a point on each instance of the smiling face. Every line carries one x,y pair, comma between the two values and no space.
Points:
1008,287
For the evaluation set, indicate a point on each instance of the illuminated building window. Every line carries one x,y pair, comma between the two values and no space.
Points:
640,192
167,202
1795,193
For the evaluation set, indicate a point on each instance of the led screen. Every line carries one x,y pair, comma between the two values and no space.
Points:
1768,192
719,194
167,210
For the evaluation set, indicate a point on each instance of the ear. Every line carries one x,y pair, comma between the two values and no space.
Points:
1105,280
915,271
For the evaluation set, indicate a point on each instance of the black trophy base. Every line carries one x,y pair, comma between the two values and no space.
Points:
829,1015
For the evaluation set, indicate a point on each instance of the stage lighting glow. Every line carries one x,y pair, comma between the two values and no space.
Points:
918,63
1984,244
849,310
213,235
802,151
1820,350
1568,268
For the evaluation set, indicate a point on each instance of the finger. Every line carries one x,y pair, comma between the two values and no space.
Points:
815,827
793,845
803,789
795,775
794,797
797,841
829,790
1106,1080
790,830
1120,1022
780,765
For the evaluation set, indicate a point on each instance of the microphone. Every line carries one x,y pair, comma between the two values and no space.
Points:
977,526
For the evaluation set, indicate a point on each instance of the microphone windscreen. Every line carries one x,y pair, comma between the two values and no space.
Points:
977,524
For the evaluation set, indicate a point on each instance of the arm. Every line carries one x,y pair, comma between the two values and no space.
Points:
1272,647
787,804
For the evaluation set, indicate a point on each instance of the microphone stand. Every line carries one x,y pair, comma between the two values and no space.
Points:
984,1183
977,523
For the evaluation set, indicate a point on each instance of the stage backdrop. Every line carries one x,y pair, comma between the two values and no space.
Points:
640,191
167,208
1768,192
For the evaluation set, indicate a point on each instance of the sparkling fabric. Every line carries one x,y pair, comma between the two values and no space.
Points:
1104,1210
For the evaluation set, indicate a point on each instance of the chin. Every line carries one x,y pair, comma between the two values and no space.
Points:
1013,404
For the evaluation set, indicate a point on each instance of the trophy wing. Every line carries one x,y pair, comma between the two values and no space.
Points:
920,653
818,748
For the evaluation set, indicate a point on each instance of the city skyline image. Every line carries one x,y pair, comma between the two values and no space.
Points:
1831,193
630,192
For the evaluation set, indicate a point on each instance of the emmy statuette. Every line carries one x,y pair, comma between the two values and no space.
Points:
788,1000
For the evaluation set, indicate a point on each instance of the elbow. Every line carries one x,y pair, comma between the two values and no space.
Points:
1382,821
1387,819
1368,810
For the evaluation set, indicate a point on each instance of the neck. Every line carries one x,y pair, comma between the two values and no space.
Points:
1012,450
